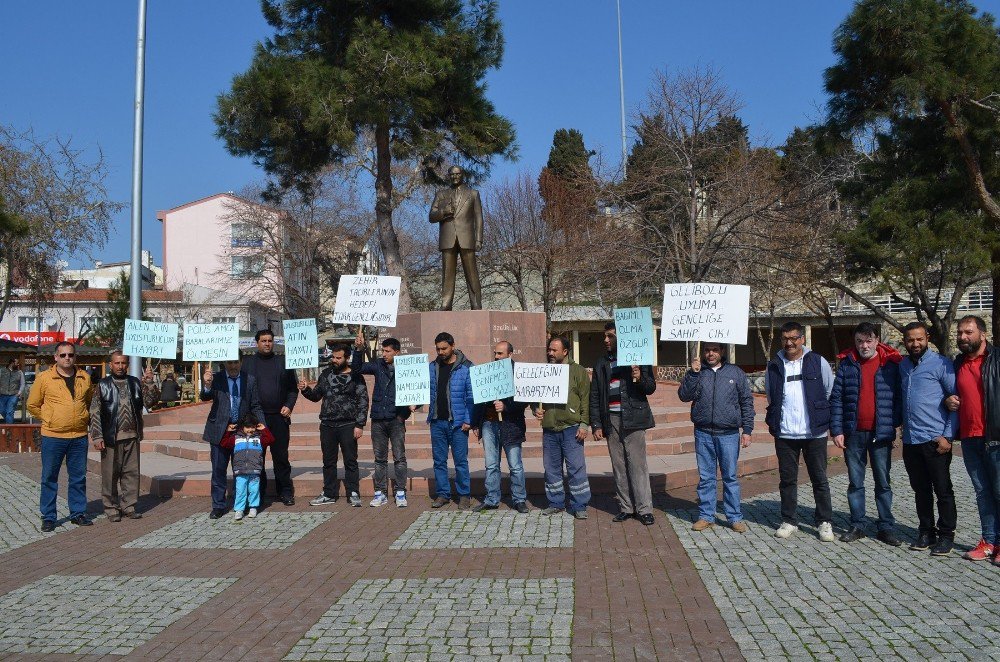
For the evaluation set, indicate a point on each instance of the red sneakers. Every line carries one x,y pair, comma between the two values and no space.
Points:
981,552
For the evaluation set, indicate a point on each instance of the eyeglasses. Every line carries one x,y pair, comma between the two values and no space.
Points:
790,338
65,356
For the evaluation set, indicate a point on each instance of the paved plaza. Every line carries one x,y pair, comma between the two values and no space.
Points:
19,506
268,530
801,598
444,619
492,528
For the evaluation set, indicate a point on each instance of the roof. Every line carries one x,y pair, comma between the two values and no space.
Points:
162,214
81,350
101,294
14,346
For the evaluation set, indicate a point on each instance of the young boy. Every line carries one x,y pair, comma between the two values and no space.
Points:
247,441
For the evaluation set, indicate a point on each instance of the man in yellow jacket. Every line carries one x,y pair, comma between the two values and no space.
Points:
60,398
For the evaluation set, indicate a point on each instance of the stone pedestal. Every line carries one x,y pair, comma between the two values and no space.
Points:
475,331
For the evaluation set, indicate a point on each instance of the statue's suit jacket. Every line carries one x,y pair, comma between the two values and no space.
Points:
466,226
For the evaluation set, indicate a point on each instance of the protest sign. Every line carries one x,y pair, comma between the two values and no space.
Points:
634,330
492,381
211,342
154,340
413,380
301,343
541,382
370,300
709,312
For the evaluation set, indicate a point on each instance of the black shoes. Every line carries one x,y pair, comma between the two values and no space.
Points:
925,540
647,519
943,546
216,513
621,517
48,526
888,538
288,500
81,520
852,535
521,507
478,508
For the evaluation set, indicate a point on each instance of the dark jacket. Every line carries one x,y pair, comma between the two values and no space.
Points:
991,392
170,390
815,372
218,417
513,428
284,383
721,400
104,407
636,414
847,390
460,403
344,396
384,394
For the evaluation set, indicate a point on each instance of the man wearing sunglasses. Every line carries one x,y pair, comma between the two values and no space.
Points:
60,399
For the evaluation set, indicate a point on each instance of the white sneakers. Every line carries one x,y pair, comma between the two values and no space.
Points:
253,513
379,500
400,499
238,516
786,530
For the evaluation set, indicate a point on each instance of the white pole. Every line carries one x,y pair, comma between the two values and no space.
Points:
135,276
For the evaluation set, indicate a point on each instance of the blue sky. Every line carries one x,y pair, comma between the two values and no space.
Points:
68,70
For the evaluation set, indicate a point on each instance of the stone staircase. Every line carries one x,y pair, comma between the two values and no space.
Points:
176,461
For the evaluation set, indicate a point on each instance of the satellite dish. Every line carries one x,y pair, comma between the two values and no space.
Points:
49,321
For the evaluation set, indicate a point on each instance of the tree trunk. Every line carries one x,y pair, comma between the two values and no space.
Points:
995,306
388,240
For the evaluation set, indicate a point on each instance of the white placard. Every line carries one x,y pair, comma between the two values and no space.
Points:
541,382
372,300
413,380
211,342
301,343
154,340
709,312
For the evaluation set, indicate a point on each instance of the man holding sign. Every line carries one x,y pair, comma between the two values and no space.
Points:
450,418
620,413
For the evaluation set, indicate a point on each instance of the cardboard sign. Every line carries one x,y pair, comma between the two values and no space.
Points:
634,330
367,300
492,381
301,343
541,382
709,312
413,380
211,342
154,340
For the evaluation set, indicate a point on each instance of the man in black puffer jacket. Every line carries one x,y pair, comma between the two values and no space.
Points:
721,404
341,422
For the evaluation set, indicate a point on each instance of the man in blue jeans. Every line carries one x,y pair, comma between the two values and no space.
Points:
60,398
500,424
11,387
865,410
721,404
450,417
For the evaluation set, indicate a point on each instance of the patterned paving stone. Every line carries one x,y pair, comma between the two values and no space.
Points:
496,528
800,598
19,519
97,615
266,531
431,619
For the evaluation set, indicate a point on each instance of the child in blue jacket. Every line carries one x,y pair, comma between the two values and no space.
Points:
247,441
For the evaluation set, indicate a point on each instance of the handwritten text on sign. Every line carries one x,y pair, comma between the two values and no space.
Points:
634,329
301,343
155,340
370,300
492,381
211,342
709,312
541,382
413,380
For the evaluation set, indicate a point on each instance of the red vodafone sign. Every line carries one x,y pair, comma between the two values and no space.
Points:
31,337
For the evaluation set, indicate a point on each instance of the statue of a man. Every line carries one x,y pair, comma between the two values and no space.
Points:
459,212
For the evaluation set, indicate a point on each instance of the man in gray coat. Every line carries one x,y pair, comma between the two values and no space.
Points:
233,393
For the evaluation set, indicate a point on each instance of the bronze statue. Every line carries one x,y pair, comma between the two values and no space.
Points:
460,212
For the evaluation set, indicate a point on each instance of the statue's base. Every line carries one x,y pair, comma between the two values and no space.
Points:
475,331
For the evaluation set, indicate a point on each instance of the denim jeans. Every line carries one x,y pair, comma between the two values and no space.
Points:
384,433
563,447
982,476
718,452
7,405
445,435
490,434
247,492
54,451
859,447
220,457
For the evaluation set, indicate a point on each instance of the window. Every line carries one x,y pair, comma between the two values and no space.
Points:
245,266
88,323
27,324
246,236
223,320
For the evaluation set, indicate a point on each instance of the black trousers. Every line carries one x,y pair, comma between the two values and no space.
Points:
331,440
813,451
930,476
279,427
